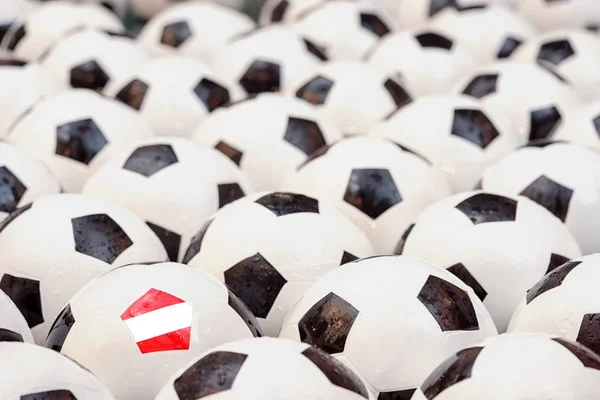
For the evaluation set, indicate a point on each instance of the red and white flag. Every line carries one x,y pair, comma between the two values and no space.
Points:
159,321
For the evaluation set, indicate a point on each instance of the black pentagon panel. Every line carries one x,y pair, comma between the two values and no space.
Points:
242,310
79,140
261,76
229,192
347,257
433,40
402,242
61,394
473,126
449,305
60,329
552,195
196,243
593,28
399,95
462,273
133,94
372,191
175,34
231,152
556,260
256,282
405,394
89,75
282,203
337,373
148,160
3,29
99,236
555,52
169,239
589,332
25,293
16,38
315,50
552,280
543,122
12,190
279,11
304,134
212,94
482,208
315,91
588,358
596,123
211,374
10,62
541,143
327,324
481,86
508,47
435,6
373,23
6,335
14,215
453,370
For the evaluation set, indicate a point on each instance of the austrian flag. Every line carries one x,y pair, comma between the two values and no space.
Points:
159,321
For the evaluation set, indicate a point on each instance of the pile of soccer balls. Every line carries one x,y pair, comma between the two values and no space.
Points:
344,200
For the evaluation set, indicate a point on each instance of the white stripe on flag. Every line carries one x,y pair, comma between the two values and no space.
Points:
161,321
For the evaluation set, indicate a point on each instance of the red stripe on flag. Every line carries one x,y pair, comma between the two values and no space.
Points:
153,300
176,340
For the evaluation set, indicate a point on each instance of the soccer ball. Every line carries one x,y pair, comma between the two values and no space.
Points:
31,35
174,94
547,15
581,125
32,372
572,194
498,245
268,136
23,179
456,133
13,327
193,28
157,318
534,97
345,29
268,59
574,54
284,242
90,59
516,366
392,319
74,132
428,61
379,185
490,32
354,95
265,368
286,12
76,238
172,184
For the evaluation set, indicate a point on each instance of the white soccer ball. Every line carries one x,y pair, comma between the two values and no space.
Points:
354,95
193,28
428,61
284,243
172,184
345,29
33,372
534,97
581,125
498,245
381,187
31,35
13,327
268,136
51,248
76,131
158,317
516,367
376,314
174,94
571,14
457,134
265,368
23,179
91,59
562,177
